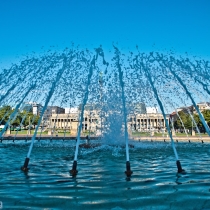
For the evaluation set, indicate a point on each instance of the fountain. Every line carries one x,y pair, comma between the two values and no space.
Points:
117,92
154,78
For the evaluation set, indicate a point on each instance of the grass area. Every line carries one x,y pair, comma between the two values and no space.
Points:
136,134
25,132
146,134
59,133
140,134
87,133
45,132
62,132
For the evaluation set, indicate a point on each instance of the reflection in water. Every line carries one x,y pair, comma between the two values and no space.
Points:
101,182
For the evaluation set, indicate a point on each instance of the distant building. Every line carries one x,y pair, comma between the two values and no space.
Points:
49,112
139,120
89,107
37,108
27,107
70,121
202,106
136,108
146,122
71,110
140,108
142,118
33,107
152,110
56,109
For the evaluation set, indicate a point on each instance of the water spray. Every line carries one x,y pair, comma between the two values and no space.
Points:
74,171
52,89
146,70
128,171
190,96
15,111
99,52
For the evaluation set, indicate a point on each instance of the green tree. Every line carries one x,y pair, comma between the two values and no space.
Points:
29,118
35,120
5,112
186,119
23,117
16,121
206,115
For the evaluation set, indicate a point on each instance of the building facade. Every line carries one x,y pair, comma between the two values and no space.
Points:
33,107
93,123
147,122
70,121
49,112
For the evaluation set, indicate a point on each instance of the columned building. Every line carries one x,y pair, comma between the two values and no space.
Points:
147,122
91,121
49,112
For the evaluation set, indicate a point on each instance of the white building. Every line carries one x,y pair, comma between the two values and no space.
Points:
152,110
72,110
33,107
36,108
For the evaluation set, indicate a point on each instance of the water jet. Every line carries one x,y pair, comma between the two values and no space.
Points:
117,90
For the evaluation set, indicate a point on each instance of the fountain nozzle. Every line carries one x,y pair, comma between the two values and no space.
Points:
74,171
25,166
128,171
180,170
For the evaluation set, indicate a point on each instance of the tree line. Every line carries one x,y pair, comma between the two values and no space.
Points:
188,122
21,119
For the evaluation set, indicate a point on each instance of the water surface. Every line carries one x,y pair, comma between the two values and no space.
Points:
101,182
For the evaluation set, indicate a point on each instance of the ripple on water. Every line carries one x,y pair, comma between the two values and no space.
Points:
101,182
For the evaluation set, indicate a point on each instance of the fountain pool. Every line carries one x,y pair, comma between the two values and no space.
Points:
101,182
117,88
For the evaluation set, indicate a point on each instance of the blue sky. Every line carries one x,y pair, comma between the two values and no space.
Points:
153,25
